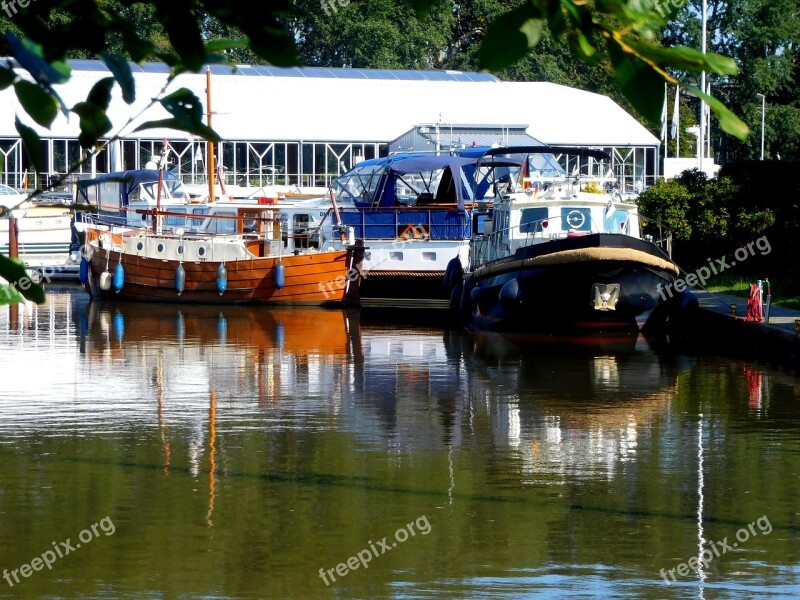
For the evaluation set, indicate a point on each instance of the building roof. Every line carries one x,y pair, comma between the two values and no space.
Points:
449,135
348,105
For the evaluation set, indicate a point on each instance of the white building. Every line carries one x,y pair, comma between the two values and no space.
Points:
306,125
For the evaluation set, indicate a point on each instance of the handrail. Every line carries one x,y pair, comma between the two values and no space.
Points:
489,247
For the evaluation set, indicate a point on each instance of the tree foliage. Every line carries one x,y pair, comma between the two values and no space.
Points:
763,37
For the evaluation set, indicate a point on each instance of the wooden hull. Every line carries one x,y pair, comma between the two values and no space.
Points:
317,279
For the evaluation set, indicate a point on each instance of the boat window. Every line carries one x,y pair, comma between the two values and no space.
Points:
202,210
301,231
578,219
109,195
175,220
359,184
250,222
223,225
174,188
530,220
617,222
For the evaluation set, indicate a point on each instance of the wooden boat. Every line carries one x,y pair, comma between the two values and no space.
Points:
234,256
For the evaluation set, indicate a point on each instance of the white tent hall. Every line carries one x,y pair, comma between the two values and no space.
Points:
306,125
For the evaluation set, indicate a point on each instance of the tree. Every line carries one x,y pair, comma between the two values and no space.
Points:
763,37
615,32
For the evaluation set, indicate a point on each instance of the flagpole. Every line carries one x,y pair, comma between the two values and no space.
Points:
676,121
664,131
702,140
708,125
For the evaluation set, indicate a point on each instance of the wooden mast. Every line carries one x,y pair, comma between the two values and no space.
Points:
211,165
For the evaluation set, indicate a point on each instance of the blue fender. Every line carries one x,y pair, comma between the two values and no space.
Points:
510,293
222,279
119,277
180,279
280,275
83,270
453,274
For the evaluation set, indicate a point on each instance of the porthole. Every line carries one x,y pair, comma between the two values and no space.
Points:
160,248
180,249
139,245
201,251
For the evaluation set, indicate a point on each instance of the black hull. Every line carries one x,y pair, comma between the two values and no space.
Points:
404,290
544,291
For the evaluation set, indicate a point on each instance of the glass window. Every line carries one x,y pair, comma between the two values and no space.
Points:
531,219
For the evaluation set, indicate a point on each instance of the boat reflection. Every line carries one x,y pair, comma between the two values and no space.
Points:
575,407
565,406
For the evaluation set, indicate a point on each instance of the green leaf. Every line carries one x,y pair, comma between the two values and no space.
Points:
121,71
641,85
7,77
686,59
184,35
220,45
37,102
510,37
729,122
94,122
277,48
100,94
31,57
14,273
32,143
183,105
196,128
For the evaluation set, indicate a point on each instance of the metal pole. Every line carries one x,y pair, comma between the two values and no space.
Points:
13,252
763,107
701,140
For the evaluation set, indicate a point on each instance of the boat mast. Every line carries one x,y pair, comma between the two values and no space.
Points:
211,166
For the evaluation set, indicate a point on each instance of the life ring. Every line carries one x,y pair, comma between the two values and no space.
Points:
414,232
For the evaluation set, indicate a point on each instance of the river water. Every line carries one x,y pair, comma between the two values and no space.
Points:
207,452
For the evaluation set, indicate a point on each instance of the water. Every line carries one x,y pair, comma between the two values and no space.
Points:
234,453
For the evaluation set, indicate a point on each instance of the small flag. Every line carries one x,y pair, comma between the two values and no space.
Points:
675,113
664,115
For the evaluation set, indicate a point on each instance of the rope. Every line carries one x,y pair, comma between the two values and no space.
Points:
404,273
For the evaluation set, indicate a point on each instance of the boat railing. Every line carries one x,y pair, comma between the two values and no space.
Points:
390,223
505,242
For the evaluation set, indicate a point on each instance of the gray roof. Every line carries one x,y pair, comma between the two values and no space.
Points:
305,72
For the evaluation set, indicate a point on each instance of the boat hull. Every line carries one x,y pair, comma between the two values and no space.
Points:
314,279
556,285
44,236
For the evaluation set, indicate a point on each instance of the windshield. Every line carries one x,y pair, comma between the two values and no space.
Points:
170,189
359,184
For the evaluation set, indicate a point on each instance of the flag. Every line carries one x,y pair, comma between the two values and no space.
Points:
664,116
525,174
675,113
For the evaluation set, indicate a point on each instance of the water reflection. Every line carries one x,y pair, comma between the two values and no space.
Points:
402,389
564,466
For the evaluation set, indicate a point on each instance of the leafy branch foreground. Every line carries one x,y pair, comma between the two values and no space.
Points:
617,32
